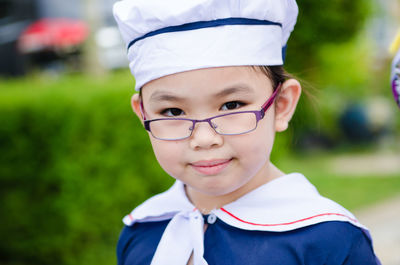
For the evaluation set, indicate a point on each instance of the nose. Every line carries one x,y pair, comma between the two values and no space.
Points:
205,137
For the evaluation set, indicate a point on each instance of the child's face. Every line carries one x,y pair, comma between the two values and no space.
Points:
209,163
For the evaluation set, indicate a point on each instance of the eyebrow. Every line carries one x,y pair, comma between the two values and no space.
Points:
165,96
237,88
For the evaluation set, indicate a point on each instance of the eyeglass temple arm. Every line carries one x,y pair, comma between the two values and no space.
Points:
272,98
142,110
146,124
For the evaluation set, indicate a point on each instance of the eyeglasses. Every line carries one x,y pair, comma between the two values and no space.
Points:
233,123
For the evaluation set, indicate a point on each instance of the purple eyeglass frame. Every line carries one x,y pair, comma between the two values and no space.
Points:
259,115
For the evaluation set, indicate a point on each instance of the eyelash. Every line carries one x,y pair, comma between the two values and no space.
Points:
169,111
165,111
238,104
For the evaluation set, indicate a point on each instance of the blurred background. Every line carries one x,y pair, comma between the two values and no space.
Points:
74,159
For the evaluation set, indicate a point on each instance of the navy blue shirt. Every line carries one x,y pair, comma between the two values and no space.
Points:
327,243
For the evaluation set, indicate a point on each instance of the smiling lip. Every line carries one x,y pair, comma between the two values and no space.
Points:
210,167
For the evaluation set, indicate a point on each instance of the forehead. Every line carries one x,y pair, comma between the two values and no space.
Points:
209,82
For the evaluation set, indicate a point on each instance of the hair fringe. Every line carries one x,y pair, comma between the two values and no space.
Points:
277,74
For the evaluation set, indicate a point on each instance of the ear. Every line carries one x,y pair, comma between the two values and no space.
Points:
135,103
286,103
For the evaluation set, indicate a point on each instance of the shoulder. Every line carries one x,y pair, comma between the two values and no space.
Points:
333,242
137,243
329,243
330,231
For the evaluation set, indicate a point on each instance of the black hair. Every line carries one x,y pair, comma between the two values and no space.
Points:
276,73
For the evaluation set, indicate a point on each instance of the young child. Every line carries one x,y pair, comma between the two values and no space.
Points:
212,95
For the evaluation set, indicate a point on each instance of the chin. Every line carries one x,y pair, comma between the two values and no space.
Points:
217,189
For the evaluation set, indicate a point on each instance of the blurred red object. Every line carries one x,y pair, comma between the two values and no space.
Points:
55,34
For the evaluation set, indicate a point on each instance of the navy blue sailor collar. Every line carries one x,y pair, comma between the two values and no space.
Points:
286,203
283,204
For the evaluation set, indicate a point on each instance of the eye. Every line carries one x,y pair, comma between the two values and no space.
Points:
232,105
172,112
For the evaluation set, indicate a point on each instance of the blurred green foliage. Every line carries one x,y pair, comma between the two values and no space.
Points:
323,22
329,50
74,160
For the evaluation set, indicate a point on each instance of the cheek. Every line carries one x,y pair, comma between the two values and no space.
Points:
256,148
169,155
253,156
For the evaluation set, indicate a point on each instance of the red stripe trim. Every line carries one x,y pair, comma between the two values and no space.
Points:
289,223
130,217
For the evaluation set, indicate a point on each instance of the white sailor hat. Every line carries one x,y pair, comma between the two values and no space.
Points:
167,37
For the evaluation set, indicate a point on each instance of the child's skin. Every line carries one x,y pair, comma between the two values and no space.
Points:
218,169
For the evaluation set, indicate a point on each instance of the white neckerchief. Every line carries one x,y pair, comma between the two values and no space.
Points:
283,204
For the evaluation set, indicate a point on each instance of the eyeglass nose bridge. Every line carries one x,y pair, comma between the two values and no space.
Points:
208,120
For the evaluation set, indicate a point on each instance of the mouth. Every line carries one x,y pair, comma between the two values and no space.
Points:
211,167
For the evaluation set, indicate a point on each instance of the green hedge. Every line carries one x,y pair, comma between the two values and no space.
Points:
74,160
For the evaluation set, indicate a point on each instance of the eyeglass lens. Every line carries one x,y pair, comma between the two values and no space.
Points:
231,124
